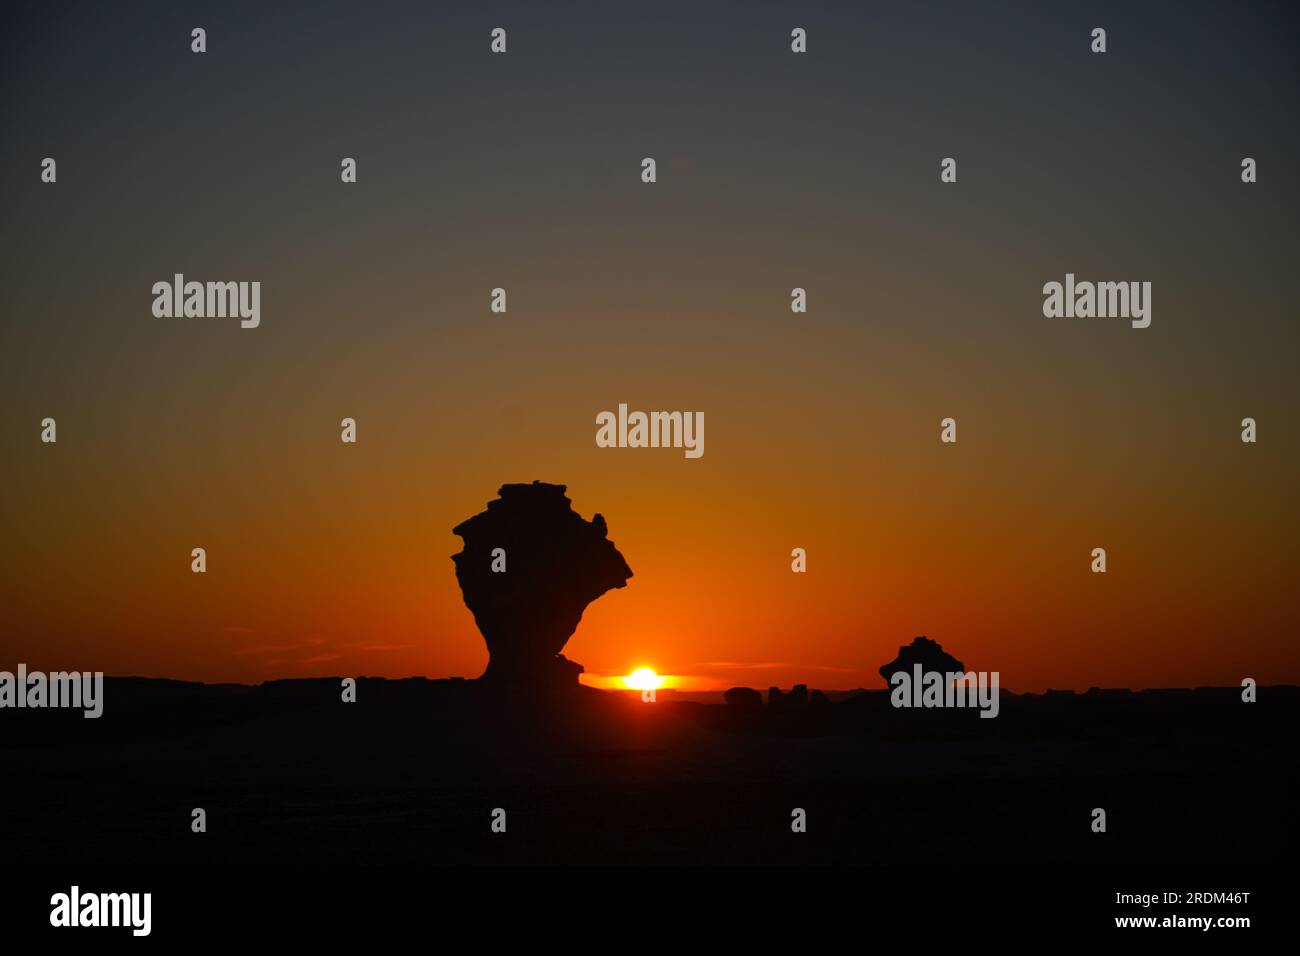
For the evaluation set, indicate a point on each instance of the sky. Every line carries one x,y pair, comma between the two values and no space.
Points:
775,171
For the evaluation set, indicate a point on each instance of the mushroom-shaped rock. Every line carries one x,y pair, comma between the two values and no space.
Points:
528,598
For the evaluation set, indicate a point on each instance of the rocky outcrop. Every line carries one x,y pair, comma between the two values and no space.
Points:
929,654
528,597
744,699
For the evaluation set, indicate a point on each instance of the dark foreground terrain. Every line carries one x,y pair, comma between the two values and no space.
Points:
411,773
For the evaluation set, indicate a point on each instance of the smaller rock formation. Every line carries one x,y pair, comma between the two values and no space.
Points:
929,654
780,702
744,699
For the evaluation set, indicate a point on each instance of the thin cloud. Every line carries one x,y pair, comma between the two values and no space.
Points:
252,649
265,649
378,646
773,665
746,665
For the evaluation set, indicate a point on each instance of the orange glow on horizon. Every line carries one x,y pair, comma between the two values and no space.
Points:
643,678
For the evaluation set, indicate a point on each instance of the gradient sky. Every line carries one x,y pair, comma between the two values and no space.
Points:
822,430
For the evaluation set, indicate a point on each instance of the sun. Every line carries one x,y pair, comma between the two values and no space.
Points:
643,678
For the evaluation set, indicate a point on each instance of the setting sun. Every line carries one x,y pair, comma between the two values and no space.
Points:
643,678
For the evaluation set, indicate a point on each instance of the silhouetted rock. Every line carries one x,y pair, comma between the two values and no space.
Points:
556,563
744,699
929,654
780,702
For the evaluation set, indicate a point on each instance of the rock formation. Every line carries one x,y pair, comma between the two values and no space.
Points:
554,564
929,654
744,699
